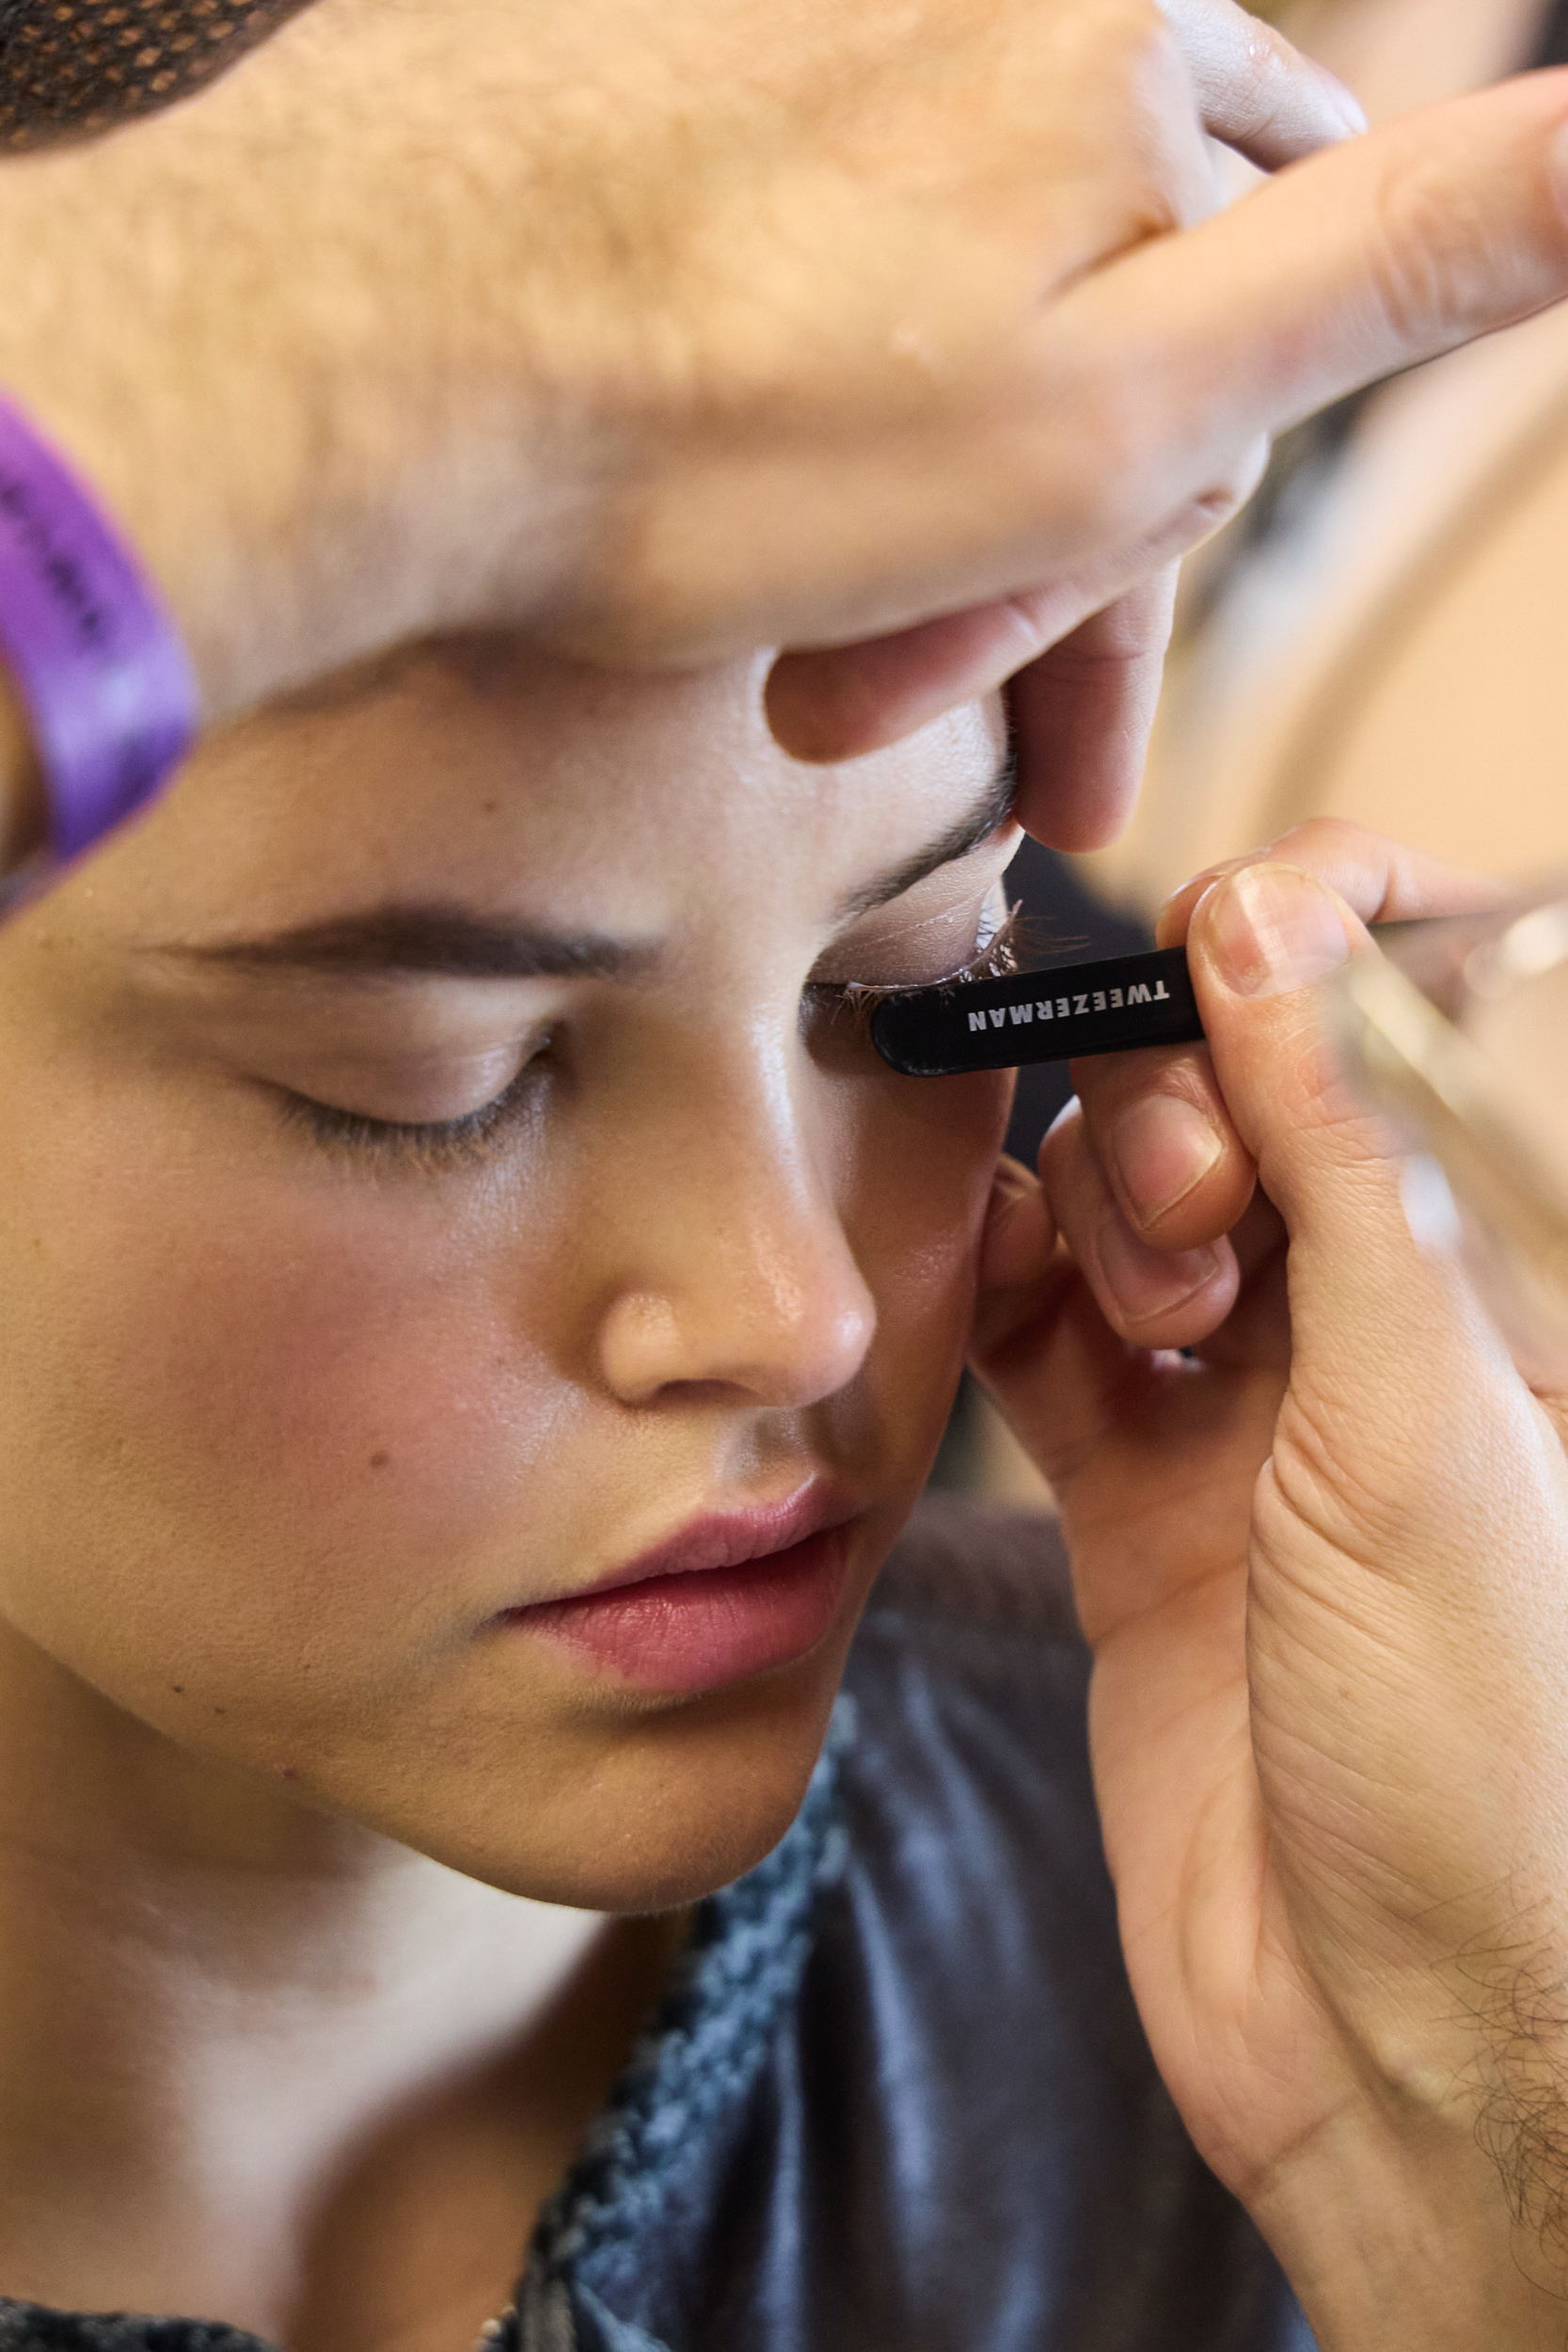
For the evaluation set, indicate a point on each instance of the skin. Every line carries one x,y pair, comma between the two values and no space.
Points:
291,2032
924,361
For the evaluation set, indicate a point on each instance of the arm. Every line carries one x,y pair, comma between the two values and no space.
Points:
1321,1566
659,335
587,321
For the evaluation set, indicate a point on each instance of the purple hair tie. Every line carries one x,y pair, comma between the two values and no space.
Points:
94,656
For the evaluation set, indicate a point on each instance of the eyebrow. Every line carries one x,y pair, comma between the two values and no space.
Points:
455,943
440,938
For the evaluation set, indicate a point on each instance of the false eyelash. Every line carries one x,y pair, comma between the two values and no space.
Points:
999,956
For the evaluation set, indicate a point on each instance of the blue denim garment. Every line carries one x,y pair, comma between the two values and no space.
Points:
896,2098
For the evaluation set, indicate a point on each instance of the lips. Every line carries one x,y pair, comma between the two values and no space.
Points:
730,1594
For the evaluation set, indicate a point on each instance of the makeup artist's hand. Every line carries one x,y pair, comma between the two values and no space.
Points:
1324,1565
663,332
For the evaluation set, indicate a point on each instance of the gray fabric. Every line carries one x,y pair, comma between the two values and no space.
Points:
897,2098
959,2142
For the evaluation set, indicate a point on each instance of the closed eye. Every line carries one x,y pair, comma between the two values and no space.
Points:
431,1144
435,1146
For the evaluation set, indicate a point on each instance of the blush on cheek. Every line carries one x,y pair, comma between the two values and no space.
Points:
292,1413
372,1379
304,1409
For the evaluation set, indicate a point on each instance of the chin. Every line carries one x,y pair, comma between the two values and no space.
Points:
674,1807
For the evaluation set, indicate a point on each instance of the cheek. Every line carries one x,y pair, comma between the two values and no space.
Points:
296,1437
263,1415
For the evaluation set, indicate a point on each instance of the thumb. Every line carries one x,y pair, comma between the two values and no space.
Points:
1093,645
1396,1376
1082,701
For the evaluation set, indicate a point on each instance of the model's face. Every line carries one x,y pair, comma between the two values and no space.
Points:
435,1172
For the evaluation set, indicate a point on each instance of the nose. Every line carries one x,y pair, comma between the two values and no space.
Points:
734,1273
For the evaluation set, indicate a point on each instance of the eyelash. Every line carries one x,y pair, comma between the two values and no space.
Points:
432,1145
992,960
435,1144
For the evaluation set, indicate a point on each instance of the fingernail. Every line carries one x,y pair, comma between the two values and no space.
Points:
1162,1147
1351,112
1431,1210
1147,1282
1275,928
1009,1177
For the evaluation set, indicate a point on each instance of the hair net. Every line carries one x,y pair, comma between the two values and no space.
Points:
69,68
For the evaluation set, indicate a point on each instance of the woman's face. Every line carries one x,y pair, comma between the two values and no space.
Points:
436,1174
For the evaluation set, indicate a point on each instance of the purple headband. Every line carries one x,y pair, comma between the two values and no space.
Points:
94,656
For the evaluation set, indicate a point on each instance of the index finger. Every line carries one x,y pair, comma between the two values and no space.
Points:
1383,880
1363,260
1121,435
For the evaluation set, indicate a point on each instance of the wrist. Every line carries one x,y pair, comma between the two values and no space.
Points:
1399,2233
109,343
271,496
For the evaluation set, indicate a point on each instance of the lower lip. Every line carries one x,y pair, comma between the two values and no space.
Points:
698,1632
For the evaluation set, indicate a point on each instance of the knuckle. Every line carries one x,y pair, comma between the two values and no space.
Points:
1204,511
1324,839
1108,472
1261,91
1450,256
1428,254
1096,464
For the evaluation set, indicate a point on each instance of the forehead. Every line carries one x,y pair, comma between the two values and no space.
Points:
479,772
